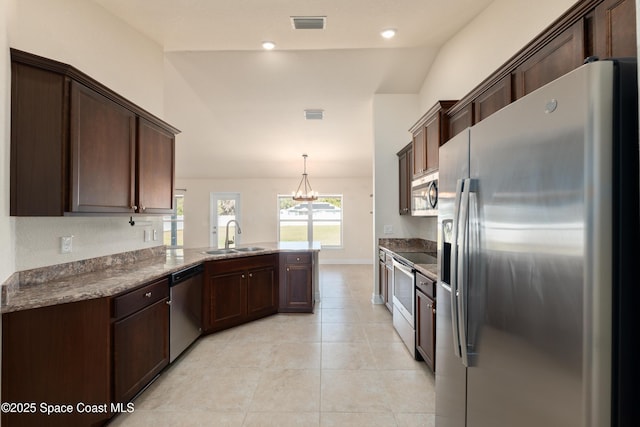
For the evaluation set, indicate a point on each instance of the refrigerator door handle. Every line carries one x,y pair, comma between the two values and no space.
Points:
462,275
454,269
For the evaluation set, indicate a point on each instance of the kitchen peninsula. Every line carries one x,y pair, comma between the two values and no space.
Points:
97,331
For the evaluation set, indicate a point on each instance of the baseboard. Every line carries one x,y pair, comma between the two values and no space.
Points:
346,261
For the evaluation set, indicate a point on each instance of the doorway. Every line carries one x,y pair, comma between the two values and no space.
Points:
224,207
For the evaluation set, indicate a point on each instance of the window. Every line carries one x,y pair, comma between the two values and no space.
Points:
320,220
173,225
224,208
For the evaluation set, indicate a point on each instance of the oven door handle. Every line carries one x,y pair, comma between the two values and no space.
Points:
405,268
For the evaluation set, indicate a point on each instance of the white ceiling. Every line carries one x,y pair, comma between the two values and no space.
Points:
240,108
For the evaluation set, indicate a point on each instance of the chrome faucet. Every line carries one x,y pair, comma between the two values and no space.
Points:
226,237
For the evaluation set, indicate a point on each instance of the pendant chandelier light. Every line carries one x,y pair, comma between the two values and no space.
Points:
305,193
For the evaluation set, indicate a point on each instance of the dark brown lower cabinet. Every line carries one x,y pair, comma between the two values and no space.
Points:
140,338
239,290
426,319
296,287
425,328
262,292
57,355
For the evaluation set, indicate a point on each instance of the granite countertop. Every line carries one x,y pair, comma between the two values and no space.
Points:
48,286
413,245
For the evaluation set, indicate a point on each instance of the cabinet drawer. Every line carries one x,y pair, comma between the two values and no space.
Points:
426,285
298,258
135,300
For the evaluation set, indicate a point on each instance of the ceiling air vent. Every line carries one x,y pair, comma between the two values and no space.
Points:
308,22
314,114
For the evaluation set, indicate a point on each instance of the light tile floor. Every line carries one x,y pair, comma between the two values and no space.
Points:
344,365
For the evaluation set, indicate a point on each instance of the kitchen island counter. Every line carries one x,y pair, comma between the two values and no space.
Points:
114,274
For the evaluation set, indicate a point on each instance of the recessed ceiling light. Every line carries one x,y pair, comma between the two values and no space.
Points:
389,33
268,45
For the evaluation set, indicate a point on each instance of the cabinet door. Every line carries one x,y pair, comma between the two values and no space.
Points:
262,293
419,153
615,29
460,120
563,54
296,292
425,328
492,99
156,158
140,349
432,141
39,122
389,298
59,355
404,178
298,289
102,153
382,278
227,300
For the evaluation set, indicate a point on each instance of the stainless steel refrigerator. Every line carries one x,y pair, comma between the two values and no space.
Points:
538,259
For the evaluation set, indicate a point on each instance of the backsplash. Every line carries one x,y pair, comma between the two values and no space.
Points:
38,238
408,245
41,275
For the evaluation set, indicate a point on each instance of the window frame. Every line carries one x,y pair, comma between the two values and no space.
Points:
174,219
310,218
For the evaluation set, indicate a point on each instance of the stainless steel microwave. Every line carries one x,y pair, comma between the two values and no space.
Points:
424,195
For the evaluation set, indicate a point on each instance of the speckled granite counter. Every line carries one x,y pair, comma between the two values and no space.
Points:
413,245
111,275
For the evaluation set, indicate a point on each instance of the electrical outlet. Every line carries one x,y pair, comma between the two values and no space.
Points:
66,244
388,229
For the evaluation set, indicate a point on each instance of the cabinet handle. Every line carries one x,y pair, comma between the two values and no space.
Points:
134,207
144,208
147,295
250,274
168,302
287,268
243,276
298,259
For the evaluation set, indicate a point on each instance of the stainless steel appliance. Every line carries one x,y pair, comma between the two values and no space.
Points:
424,195
537,247
404,304
185,321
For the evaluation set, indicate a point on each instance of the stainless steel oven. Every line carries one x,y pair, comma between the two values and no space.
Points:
404,304
424,195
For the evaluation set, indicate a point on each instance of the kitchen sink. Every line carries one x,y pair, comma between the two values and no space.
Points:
249,249
220,251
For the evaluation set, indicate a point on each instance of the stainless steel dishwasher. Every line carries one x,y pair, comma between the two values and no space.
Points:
185,323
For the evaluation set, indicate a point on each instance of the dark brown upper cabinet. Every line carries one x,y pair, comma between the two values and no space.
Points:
429,133
79,148
615,29
602,28
405,174
564,53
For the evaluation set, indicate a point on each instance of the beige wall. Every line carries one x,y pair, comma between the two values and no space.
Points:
259,211
486,43
7,234
82,34
470,56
